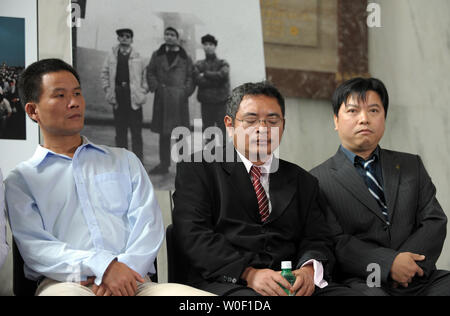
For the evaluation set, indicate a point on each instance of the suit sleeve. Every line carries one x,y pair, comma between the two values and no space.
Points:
354,255
209,252
316,242
431,224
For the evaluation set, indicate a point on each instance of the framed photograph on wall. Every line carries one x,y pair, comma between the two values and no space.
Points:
142,66
19,136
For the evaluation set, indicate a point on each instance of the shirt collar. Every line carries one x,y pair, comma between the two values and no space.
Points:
42,153
265,168
175,48
355,158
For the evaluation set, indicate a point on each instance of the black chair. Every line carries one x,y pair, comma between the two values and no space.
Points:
21,285
154,277
177,265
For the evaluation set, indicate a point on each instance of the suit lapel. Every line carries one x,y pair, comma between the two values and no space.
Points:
281,190
391,176
346,174
242,185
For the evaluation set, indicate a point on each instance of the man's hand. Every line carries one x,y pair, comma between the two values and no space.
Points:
120,279
266,282
101,290
404,268
304,283
89,281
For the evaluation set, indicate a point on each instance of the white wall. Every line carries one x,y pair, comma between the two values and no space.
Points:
411,54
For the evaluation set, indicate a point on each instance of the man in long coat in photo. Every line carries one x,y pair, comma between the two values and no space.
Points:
169,76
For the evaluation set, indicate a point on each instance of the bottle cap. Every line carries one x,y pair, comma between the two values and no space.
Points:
286,265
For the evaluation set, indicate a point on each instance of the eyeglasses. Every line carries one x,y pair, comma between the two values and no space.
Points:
125,35
270,122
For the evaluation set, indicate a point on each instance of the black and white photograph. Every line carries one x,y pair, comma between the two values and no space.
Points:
12,62
169,65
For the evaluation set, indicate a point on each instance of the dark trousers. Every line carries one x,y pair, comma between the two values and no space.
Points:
438,284
333,289
125,117
165,149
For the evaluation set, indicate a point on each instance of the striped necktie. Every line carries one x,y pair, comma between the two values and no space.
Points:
263,202
375,188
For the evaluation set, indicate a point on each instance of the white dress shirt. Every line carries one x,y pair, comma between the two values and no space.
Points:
72,216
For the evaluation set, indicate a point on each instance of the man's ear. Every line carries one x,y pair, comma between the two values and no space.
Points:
32,111
336,122
228,121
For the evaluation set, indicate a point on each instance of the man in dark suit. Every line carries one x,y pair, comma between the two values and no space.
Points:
237,219
389,228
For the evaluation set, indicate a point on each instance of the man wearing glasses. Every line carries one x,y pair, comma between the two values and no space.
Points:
238,219
123,80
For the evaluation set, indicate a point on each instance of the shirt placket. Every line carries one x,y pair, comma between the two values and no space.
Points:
86,206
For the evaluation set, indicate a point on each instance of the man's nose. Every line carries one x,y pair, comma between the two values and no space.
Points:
74,102
364,117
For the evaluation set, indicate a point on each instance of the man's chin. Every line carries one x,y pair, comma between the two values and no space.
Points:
260,152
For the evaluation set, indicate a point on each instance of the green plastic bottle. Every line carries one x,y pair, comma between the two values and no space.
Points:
286,272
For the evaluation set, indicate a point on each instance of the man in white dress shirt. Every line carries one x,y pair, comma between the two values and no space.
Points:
85,217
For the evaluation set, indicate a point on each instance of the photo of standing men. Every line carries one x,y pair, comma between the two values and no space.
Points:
212,76
169,77
125,89
170,69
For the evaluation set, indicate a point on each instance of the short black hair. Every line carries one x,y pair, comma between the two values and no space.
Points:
30,80
258,88
358,87
208,38
173,30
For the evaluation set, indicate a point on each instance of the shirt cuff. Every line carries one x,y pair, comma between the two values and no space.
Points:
318,273
98,264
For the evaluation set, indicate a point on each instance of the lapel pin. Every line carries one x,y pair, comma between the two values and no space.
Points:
397,167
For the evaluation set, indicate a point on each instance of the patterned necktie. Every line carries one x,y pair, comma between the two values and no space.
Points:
263,202
375,188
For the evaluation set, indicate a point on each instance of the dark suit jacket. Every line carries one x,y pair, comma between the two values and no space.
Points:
418,223
216,222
